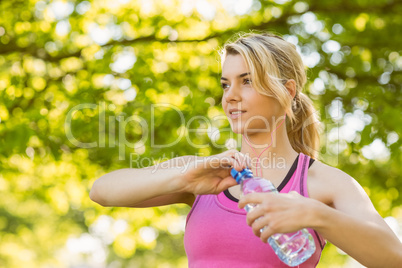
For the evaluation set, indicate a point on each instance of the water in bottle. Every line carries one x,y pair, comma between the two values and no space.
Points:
291,248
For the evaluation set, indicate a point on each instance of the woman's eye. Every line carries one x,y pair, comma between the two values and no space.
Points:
224,86
249,81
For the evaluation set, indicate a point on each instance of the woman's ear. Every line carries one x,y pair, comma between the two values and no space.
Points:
291,87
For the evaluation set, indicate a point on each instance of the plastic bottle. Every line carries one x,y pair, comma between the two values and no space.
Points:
291,248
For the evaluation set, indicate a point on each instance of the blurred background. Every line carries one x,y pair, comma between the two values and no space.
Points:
88,87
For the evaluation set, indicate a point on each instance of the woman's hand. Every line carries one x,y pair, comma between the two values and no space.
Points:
278,213
211,175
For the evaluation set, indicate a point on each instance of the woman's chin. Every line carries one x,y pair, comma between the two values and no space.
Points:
237,130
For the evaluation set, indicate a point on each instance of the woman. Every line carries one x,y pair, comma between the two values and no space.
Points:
262,80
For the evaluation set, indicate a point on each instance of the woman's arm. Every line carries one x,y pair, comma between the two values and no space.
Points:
146,187
177,180
352,224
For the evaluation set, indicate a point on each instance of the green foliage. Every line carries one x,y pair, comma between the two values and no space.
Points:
77,77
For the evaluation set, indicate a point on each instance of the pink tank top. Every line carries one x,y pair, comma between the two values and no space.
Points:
217,234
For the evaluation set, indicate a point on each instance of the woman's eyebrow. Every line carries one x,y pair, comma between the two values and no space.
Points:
239,76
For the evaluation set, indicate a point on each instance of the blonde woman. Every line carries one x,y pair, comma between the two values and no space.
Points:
262,81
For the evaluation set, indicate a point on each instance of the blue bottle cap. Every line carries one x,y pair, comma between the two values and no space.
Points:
239,174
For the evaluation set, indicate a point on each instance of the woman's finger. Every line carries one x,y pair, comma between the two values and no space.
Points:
237,156
216,161
254,198
230,154
245,160
227,162
259,224
257,213
266,233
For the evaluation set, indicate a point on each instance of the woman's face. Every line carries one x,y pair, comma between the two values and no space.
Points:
244,106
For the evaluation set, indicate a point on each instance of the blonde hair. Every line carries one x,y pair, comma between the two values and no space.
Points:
272,61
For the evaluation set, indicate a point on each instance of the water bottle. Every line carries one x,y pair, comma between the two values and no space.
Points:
291,248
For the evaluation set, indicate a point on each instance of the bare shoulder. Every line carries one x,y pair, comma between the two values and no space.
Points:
325,182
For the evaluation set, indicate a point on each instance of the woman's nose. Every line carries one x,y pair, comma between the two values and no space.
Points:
232,93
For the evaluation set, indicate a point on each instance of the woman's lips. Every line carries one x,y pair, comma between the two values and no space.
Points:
236,114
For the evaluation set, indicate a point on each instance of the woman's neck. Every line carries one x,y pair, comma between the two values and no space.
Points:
278,155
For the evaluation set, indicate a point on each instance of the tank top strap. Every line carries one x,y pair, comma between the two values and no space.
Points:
303,179
300,180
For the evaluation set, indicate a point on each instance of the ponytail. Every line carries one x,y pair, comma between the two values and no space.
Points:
303,130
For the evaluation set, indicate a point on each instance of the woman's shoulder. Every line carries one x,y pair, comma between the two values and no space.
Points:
320,168
325,181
